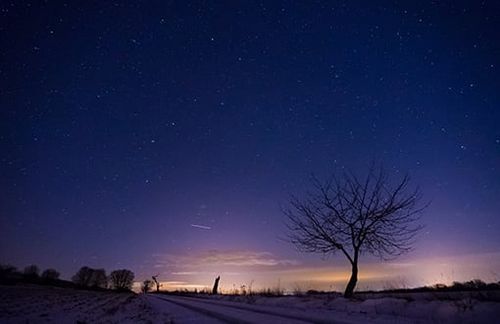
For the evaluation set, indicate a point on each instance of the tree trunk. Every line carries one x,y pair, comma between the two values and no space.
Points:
349,290
215,289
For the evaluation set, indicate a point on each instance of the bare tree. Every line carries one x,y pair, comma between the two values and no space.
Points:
83,277
99,279
7,271
32,271
157,283
50,274
354,216
122,279
147,285
88,277
9,274
215,289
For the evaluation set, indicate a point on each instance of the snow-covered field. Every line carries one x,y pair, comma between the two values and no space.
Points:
39,304
454,307
43,304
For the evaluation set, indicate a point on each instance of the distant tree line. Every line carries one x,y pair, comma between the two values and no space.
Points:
471,285
86,277
30,273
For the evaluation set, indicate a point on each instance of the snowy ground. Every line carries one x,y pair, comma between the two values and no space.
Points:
38,304
456,307
42,304
210,310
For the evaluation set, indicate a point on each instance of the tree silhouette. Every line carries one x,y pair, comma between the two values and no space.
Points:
355,216
83,277
122,279
88,277
7,270
8,273
99,279
146,286
50,274
31,271
215,289
157,284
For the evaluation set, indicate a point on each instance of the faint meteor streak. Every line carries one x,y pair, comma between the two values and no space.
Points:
201,226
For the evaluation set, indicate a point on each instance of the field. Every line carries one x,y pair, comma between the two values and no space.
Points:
411,307
43,304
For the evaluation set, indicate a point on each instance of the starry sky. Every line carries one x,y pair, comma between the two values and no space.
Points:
165,137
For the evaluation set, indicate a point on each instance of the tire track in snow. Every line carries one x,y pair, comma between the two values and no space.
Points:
215,315
259,315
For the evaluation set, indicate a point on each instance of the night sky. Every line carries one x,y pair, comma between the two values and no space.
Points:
165,137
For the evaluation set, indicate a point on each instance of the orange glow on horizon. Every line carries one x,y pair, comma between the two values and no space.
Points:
263,270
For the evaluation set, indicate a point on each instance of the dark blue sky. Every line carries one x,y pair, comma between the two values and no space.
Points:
123,124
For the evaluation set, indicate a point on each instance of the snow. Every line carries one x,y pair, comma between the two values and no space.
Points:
43,304
460,307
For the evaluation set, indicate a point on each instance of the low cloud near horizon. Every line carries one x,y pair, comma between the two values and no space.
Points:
224,258
263,269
